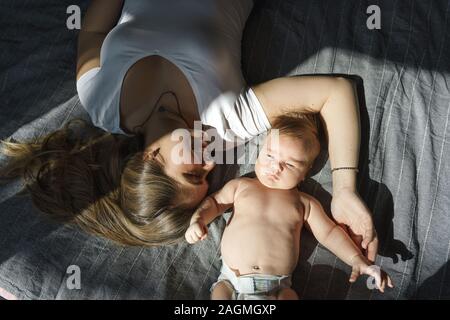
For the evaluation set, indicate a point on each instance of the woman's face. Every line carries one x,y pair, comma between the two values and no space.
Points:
185,164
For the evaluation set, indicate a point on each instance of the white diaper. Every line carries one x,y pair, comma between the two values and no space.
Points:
253,286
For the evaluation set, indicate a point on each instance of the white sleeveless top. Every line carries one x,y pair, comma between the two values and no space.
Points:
202,38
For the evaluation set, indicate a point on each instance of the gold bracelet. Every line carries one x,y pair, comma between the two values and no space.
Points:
345,168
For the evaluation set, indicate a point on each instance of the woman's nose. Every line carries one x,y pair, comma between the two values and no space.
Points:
208,165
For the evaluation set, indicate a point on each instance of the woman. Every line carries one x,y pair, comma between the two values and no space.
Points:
146,68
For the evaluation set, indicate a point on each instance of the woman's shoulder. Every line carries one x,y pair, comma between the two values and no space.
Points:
85,86
99,97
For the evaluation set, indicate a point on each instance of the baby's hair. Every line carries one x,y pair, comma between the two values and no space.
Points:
303,126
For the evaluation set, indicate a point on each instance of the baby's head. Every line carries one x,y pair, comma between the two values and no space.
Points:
284,161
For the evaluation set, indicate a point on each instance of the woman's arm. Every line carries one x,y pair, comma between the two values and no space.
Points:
100,18
336,100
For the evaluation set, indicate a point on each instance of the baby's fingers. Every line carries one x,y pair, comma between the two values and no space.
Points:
187,236
382,286
201,232
191,236
389,282
189,239
386,280
376,274
198,232
355,274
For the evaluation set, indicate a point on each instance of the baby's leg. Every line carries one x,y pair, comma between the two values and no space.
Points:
222,291
287,294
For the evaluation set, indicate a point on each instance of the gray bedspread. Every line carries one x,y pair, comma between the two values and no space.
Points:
403,79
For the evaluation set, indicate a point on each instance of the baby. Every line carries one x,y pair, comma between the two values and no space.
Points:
260,244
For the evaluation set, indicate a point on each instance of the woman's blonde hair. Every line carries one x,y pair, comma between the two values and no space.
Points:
100,182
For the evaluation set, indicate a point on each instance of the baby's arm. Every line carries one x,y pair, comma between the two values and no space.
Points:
210,208
334,238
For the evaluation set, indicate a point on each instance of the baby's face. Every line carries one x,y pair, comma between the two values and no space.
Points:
283,165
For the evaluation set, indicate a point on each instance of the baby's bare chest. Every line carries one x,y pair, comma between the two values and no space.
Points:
280,207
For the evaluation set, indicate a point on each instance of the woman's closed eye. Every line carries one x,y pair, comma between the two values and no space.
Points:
193,177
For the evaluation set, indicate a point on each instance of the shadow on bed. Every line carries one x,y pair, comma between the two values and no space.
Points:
37,65
287,38
375,192
389,247
436,286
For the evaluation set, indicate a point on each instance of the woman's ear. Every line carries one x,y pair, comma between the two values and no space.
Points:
150,153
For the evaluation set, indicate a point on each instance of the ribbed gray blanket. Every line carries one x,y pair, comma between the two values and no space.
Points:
403,79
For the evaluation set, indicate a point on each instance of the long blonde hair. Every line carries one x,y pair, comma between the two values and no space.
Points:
100,182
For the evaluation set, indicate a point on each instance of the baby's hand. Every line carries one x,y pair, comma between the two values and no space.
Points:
196,231
361,266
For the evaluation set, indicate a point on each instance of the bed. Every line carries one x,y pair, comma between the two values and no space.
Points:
403,76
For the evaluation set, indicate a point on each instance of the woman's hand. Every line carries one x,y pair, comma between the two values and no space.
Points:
360,265
352,214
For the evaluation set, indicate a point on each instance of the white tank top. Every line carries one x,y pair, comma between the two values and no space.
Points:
202,38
